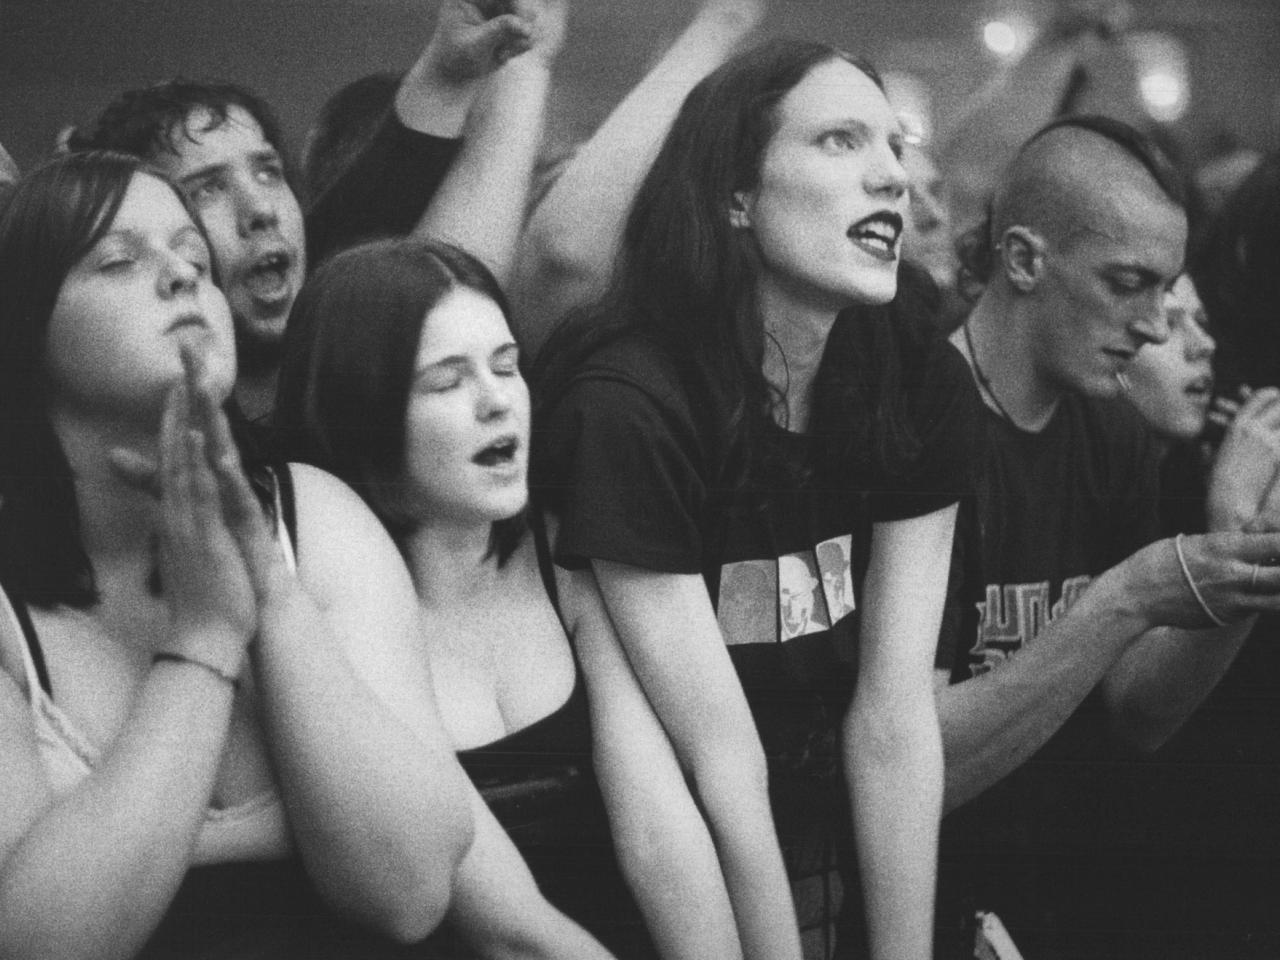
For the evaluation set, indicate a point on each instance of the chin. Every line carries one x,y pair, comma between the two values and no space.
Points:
876,292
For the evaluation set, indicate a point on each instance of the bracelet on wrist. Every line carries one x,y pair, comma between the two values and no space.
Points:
1195,589
172,656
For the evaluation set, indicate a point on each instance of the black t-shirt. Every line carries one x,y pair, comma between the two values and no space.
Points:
382,193
1054,509
638,472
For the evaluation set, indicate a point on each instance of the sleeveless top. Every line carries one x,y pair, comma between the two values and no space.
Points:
541,786
252,830
527,774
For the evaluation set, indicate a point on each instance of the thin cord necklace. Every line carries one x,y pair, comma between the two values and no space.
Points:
983,380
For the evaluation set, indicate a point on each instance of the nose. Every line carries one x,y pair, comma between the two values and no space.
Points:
1200,344
256,209
887,176
493,397
177,276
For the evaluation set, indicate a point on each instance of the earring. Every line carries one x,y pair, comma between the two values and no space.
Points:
738,219
1122,380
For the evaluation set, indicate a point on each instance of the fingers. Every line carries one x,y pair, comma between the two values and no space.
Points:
136,469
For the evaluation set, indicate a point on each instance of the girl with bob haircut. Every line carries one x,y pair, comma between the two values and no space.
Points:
757,448
401,376
186,711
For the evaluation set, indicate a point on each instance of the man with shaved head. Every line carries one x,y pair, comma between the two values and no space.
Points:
1084,626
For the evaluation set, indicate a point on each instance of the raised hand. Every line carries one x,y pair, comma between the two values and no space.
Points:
546,21
1242,479
474,37
205,579
241,510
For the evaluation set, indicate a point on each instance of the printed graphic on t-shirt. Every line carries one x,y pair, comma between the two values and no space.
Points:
765,601
1013,615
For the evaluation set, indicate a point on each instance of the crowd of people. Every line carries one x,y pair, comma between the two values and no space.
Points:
434,550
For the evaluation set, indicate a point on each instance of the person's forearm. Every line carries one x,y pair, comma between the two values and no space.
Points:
93,875
379,811
480,206
666,855
498,909
991,724
733,787
430,102
1165,675
893,759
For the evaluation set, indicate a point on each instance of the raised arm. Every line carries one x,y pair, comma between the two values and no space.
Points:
892,748
90,873
480,205
670,635
663,844
568,247
471,39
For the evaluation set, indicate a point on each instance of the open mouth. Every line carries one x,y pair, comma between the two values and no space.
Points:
878,234
500,453
268,276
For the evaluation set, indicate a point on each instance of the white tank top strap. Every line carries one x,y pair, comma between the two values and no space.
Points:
16,658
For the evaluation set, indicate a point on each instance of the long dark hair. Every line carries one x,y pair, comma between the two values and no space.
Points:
686,278
1236,268
55,216
350,351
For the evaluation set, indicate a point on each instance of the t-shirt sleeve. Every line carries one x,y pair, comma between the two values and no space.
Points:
383,192
622,475
945,412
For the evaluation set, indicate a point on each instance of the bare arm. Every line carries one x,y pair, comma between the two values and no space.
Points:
1165,675
374,794
480,206
498,908
90,873
568,248
471,39
892,747
992,723
663,844
671,638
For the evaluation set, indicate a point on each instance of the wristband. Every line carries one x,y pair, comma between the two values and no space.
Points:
1186,575
172,656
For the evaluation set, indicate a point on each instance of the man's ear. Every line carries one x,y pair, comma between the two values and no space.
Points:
1022,257
738,216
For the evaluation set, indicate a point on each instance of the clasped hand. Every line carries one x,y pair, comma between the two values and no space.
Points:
218,561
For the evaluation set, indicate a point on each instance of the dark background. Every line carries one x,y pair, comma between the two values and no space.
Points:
62,60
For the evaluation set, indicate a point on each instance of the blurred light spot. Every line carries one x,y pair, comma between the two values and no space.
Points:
1000,37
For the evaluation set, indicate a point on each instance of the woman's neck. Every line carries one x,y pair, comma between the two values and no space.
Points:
450,561
117,517
795,337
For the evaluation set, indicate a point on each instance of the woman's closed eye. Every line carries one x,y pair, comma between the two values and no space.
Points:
505,361
440,378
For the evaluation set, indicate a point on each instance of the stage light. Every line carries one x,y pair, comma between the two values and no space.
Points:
1001,37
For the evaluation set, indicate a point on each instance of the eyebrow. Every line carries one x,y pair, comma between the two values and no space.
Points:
135,236
267,154
461,360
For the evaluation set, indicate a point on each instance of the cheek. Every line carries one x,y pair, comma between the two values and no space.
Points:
434,440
